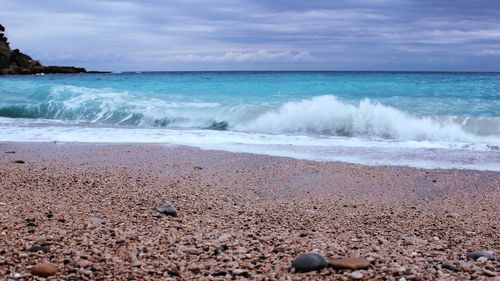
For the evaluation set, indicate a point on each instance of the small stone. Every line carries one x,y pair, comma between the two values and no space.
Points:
356,275
167,209
197,168
193,251
350,263
241,251
38,248
11,152
96,221
489,273
414,240
19,161
224,237
482,259
240,272
84,263
44,269
309,262
448,265
137,264
220,249
478,254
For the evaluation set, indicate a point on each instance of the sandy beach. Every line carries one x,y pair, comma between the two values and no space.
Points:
90,210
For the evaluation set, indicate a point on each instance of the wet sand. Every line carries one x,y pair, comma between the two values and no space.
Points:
90,209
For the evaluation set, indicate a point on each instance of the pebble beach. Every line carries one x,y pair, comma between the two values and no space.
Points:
75,211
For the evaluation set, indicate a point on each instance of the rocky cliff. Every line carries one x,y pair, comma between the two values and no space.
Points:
15,62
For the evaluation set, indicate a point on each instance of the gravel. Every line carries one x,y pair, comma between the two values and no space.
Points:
242,216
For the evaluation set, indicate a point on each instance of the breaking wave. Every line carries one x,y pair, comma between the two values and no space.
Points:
324,115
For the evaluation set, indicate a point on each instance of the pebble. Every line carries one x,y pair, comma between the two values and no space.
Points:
224,237
84,263
167,209
482,259
350,263
414,240
38,248
19,161
220,249
44,269
356,275
309,262
240,272
489,273
96,221
478,254
448,265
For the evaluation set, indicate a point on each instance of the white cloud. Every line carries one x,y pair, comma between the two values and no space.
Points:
242,57
490,52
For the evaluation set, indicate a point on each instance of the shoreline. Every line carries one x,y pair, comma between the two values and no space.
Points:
266,210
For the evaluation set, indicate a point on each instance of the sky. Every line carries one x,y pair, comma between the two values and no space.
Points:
154,35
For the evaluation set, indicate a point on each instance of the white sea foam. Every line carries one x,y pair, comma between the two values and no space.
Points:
320,115
423,154
319,128
327,115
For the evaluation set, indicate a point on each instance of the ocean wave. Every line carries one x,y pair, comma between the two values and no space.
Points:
323,115
327,115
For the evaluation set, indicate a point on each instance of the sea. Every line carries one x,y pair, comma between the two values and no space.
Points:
416,119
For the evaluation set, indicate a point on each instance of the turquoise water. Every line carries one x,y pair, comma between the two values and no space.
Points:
312,115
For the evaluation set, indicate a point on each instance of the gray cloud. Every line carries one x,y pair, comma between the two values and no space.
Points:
236,34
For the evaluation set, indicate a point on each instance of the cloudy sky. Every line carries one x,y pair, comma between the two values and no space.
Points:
459,35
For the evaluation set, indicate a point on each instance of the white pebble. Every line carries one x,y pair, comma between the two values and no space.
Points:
238,271
356,275
224,237
482,259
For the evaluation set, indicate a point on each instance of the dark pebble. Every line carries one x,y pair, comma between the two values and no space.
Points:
309,262
12,152
167,209
31,223
173,273
19,161
38,248
477,254
197,168
219,249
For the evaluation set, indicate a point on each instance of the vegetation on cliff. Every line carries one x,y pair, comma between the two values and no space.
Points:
16,62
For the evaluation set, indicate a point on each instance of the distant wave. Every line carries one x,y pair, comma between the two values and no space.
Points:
321,115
